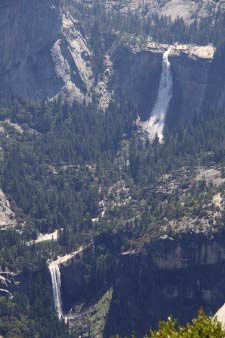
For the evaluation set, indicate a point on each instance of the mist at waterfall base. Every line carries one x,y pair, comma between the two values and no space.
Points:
155,125
56,286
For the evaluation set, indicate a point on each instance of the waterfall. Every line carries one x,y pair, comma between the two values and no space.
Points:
155,125
54,270
56,286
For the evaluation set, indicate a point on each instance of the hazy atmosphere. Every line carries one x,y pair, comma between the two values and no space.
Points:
112,169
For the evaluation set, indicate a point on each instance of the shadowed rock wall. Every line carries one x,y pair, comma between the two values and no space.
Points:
173,277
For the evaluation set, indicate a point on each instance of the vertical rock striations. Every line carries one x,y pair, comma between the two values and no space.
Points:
42,53
26,27
173,277
155,124
27,31
137,73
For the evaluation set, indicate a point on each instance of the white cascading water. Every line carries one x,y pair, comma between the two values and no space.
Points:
155,125
56,286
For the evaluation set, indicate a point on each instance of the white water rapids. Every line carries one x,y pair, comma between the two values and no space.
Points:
155,125
56,286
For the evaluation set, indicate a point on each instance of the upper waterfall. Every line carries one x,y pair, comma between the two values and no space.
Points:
56,286
155,125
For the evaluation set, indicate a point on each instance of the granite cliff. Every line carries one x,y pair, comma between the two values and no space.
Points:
151,231
113,287
46,53
43,55
172,277
134,290
137,74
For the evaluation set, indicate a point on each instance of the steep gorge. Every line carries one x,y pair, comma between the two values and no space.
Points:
55,58
173,277
137,76
169,277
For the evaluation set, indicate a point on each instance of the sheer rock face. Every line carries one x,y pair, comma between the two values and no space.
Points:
27,30
190,85
136,78
174,277
44,54
41,53
170,277
137,74
26,27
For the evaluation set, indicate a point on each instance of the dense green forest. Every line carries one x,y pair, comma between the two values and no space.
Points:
52,172
89,173
53,175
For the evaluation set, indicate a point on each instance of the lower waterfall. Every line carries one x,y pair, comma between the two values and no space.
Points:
155,125
56,286
54,269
